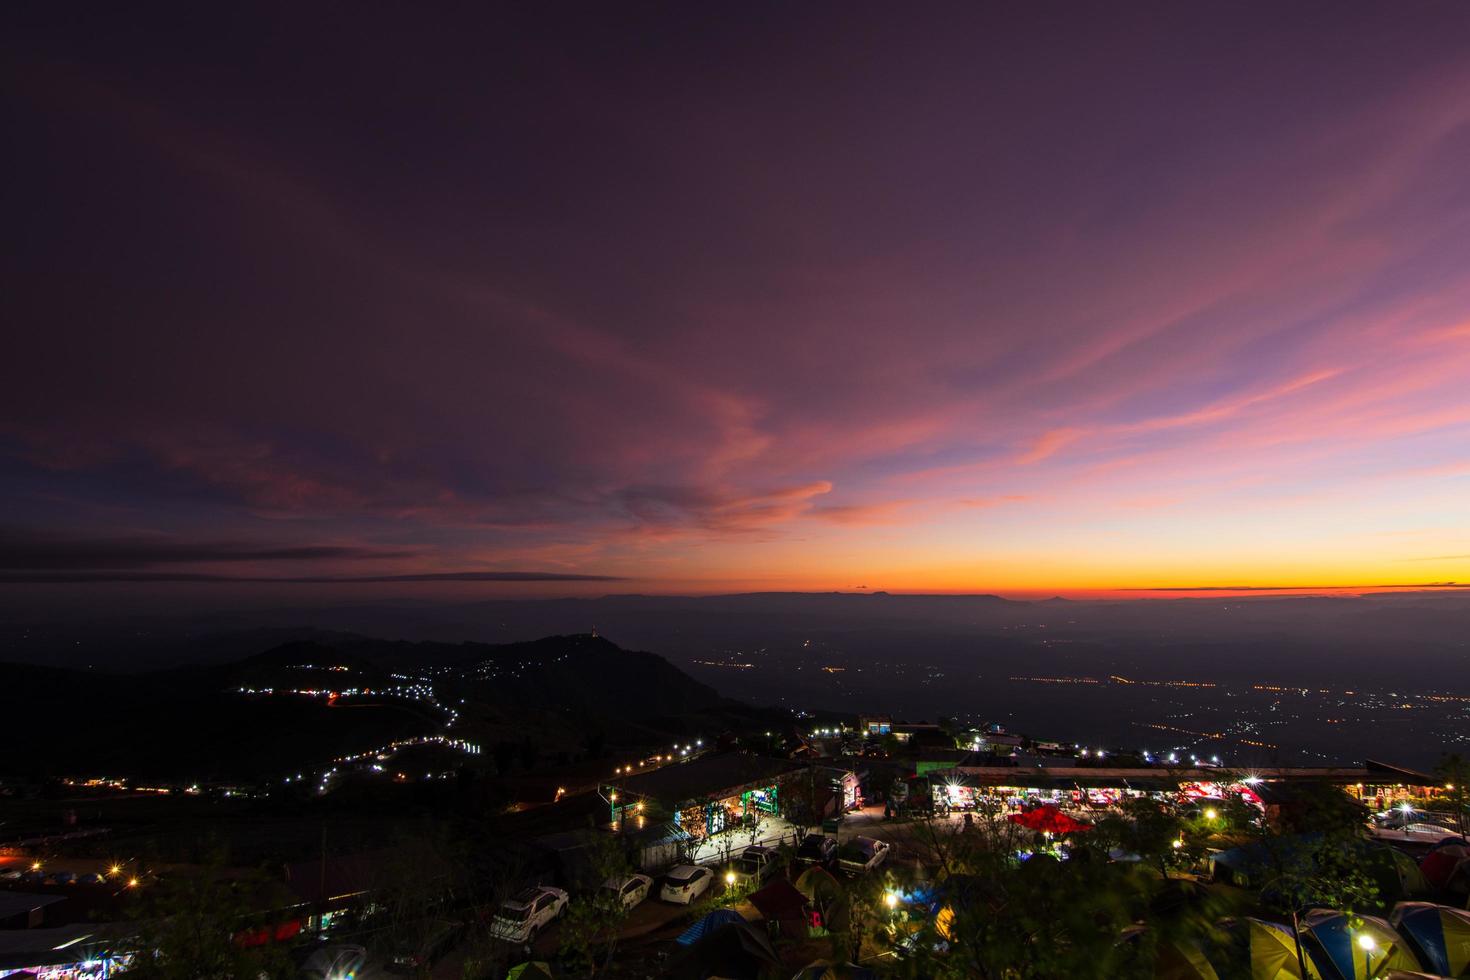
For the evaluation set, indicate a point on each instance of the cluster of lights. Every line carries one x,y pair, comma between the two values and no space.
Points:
113,871
656,760
384,754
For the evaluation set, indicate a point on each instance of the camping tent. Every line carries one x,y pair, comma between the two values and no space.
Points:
1396,874
1336,946
1447,867
780,902
826,896
956,895
707,925
1438,934
736,951
1269,948
1247,947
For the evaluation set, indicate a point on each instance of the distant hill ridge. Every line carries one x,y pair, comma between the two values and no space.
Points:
191,721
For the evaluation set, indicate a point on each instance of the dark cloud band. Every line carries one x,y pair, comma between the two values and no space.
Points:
69,578
37,551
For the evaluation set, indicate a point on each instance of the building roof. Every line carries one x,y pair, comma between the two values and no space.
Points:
20,948
1373,772
708,777
19,903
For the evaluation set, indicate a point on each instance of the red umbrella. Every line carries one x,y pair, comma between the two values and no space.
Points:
1049,819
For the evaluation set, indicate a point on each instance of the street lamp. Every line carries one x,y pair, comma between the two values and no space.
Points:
1367,943
890,899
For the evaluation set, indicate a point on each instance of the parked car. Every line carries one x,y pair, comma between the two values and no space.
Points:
521,918
861,855
630,890
64,878
334,961
752,867
686,883
816,849
1416,833
12,874
440,936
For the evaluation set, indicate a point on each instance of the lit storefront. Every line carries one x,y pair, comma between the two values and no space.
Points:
63,953
1013,788
707,819
711,794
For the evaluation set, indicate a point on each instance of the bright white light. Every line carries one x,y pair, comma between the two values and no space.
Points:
1367,942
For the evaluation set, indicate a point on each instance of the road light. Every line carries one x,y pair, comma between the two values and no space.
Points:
890,899
1368,944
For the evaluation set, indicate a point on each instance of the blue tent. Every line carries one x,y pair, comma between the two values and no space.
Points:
1440,935
707,925
1332,940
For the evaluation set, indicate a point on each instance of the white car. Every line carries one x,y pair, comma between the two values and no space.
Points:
630,890
753,866
861,854
686,883
337,960
1416,833
521,918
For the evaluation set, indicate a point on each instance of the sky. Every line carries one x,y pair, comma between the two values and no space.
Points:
478,301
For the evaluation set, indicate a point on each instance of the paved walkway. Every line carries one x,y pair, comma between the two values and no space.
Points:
772,832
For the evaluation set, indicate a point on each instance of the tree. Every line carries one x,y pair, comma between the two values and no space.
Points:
1036,918
1454,771
1313,856
590,927
1009,910
1148,828
193,926
414,883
